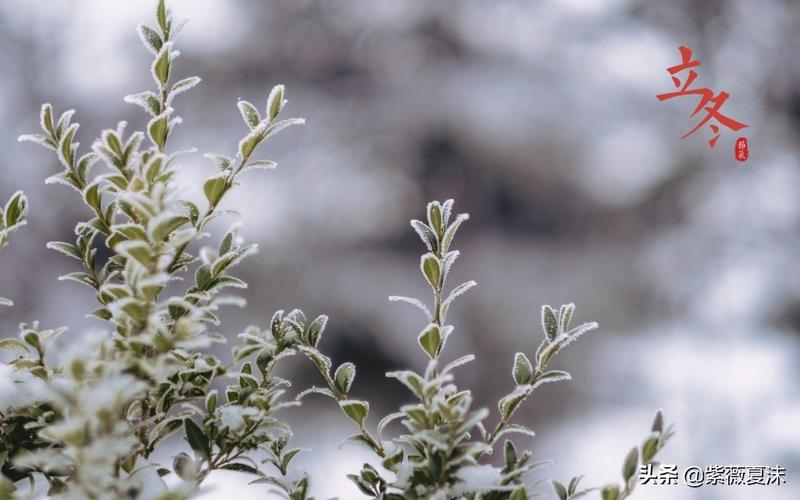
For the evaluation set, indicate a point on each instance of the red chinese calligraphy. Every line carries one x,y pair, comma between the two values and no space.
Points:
708,102
740,151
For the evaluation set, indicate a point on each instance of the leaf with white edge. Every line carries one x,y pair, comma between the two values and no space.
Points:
355,409
410,379
316,390
13,344
343,377
414,302
146,100
67,249
430,340
275,101
5,302
161,65
136,250
565,315
387,420
549,323
580,330
184,85
431,269
551,376
315,329
260,165
425,233
222,161
450,233
509,403
248,144
515,429
158,129
249,114
214,188
456,292
278,126
523,370
150,38
463,360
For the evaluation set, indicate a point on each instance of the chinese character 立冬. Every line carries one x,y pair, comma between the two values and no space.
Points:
709,103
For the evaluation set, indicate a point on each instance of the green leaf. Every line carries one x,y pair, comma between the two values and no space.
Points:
211,401
430,340
251,140
356,410
158,129
46,118
631,464
431,269
240,467
523,370
649,449
510,454
214,188
161,17
275,101
610,492
16,209
260,165
197,440
249,114
203,278
67,249
519,494
435,216
561,491
551,376
161,65
315,330
166,226
549,323
13,344
150,38
184,85
5,302
344,377
509,403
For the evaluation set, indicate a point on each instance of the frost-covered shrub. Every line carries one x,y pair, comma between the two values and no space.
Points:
87,424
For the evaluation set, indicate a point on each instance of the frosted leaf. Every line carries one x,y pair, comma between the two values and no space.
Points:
515,429
38,139
260,165
463,360
447,209
551,376
580,330
387,420
459,290
184,85
150,38
249,114
278,126
275,101
414,302
147,100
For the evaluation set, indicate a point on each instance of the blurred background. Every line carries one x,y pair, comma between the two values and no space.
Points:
540,119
